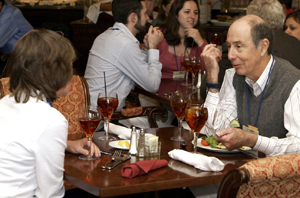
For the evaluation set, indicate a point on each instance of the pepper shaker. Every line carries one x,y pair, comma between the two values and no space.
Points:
141,145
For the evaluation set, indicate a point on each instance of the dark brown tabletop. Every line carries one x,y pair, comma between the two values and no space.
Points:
104,183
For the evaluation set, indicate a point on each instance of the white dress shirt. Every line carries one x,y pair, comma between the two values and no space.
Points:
225,107
116,52
32,149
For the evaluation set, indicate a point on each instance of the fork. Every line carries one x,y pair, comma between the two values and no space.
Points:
115,156
118,161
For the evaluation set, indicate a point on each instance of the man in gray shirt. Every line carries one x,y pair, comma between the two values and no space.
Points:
116,52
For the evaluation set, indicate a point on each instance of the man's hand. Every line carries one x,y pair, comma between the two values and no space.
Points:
234,138
79,147
154,37
211,55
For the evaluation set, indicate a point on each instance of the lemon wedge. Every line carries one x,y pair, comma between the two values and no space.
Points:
123,144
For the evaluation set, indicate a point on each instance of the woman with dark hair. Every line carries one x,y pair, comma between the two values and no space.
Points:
33,134
292,24
183,35
163,12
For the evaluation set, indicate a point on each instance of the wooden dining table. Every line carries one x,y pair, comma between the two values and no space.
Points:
88,175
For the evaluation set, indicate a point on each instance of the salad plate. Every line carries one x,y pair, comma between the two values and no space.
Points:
219,150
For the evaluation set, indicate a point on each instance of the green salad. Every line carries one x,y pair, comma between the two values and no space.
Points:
213,143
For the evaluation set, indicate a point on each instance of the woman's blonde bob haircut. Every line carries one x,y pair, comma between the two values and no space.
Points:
40,64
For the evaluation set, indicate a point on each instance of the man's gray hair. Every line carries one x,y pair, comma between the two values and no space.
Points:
270,11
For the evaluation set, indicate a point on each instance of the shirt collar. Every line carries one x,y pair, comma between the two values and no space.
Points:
125,30
259,85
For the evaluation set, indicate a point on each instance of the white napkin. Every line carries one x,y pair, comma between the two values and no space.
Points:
197,160
189,170
94,11
120,131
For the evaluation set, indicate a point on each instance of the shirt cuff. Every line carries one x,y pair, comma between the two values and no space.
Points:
153,55
264,145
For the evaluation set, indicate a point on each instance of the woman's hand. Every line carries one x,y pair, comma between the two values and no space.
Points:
195,34
79,147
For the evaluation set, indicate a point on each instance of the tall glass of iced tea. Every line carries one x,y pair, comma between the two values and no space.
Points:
89,118
179,103
185,64
108,104
196,117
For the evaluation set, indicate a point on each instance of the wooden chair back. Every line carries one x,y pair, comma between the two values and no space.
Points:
266,177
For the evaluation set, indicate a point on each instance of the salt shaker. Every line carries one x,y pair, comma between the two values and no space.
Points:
141,145
133,147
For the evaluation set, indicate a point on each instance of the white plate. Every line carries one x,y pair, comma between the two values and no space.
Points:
220,23
115,144
217,150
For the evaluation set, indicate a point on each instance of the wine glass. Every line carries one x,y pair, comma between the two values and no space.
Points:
108,103
89,118
196,117
179,103
185,63
195,67
216,38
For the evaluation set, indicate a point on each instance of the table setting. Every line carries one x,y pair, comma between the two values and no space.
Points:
120,172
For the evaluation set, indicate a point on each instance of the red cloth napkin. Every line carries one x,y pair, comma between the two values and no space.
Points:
142,167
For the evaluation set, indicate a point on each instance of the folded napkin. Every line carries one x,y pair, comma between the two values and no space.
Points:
142,167
120,131
197,160
189,170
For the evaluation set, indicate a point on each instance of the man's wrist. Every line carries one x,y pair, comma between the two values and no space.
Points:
210,85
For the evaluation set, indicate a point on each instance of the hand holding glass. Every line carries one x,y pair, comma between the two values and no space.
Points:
89,118
108,104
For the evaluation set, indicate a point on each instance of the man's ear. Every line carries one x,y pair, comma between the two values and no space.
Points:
133,17
264,45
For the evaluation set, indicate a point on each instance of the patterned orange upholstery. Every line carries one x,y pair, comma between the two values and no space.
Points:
68,106
272,177
132,111
4,87
269,177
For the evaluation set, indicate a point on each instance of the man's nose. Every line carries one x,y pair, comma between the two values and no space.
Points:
231,54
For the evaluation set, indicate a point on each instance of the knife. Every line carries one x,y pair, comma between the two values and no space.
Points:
106,153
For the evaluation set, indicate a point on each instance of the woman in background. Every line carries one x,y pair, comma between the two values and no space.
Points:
182,32
33,134
163,12
292,24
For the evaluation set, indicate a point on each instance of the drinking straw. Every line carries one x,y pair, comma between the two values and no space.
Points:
105,85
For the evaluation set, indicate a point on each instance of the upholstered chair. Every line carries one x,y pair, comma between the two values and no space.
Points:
266,177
